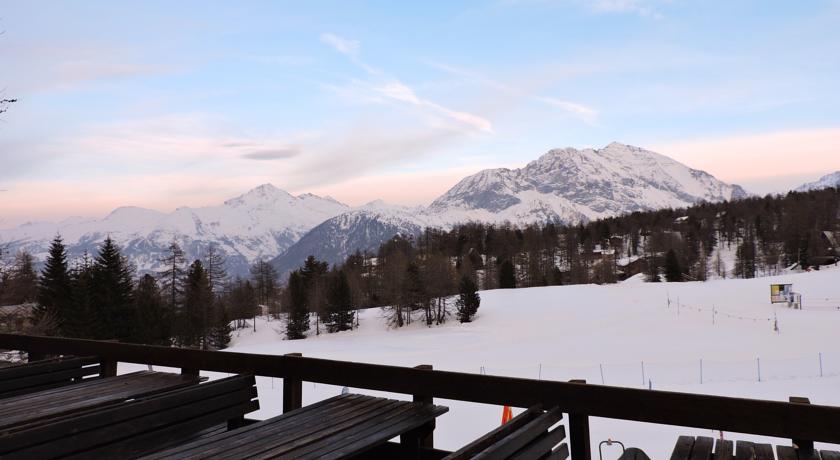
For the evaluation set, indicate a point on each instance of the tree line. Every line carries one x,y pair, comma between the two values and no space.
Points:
411,277
190,305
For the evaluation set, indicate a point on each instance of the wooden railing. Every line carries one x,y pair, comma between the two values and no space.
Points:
803,422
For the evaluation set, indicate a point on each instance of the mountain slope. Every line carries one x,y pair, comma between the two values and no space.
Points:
361,229
260,223
563,185
569,185
827,181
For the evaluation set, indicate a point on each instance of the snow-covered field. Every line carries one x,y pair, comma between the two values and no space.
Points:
605,332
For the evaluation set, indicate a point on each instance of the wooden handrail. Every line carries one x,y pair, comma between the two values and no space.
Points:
770,418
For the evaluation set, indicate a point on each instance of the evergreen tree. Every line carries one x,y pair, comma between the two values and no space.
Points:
507,275
22,282
198,303
220,332
468,300
80,322
298,316
214,263
113,305
673,271
172,276
54,289
339,303
152,320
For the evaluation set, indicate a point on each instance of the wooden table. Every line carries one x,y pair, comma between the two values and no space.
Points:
339,427
42,406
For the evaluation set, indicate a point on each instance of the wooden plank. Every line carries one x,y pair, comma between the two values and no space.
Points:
522,436
48,365
94,427
488,439
764,452
723,449
542,446
744,450
286,429
702,449
786,453
366,436
261,428
292,390
682,450
829,455
770,418
27,409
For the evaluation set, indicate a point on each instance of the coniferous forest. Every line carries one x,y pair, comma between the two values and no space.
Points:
431,278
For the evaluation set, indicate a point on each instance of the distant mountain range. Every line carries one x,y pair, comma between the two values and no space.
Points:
829,180
563,185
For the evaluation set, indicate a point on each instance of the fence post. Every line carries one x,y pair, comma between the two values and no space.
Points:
423,437
601,367
107,367
758,367
292,390
644,380
579,433
821,368
802,445
701,371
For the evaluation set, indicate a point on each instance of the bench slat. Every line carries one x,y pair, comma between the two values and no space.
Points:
490,438
521,437
542,446
723,449
682,450
702,449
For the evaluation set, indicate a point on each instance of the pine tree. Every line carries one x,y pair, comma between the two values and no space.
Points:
198,303
214,263
22,282
468,300
152,318
507,275
673,271
220,333
113,304
80,322
54,290
172,276
339,303
298,315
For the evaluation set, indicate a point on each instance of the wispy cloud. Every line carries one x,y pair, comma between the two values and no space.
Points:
577,110
642,8
393,89
271,154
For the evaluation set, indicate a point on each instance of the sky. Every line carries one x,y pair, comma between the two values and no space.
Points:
168,104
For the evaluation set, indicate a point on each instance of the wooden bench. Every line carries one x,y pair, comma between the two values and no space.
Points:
340,427
136,427
705,448
42,375
95,393
526,436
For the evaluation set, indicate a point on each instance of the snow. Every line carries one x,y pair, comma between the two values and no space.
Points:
829,180
570,332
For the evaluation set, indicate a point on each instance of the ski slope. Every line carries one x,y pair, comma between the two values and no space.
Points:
570,332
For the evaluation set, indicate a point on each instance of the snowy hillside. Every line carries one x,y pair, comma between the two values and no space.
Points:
364,228
260,223
564,185
829,180
603,334
570,185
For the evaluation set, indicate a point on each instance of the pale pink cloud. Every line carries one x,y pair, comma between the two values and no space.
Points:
764,159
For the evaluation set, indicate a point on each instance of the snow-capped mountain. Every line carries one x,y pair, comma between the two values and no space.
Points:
364,228
570,185
261,223
827,181
563,185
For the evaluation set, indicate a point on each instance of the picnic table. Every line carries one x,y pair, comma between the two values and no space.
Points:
32,408
340,427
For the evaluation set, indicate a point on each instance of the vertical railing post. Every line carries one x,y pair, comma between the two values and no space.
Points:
804,446
422,437
107,367
579,434
292,390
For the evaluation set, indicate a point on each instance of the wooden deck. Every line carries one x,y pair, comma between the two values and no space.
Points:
168,407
